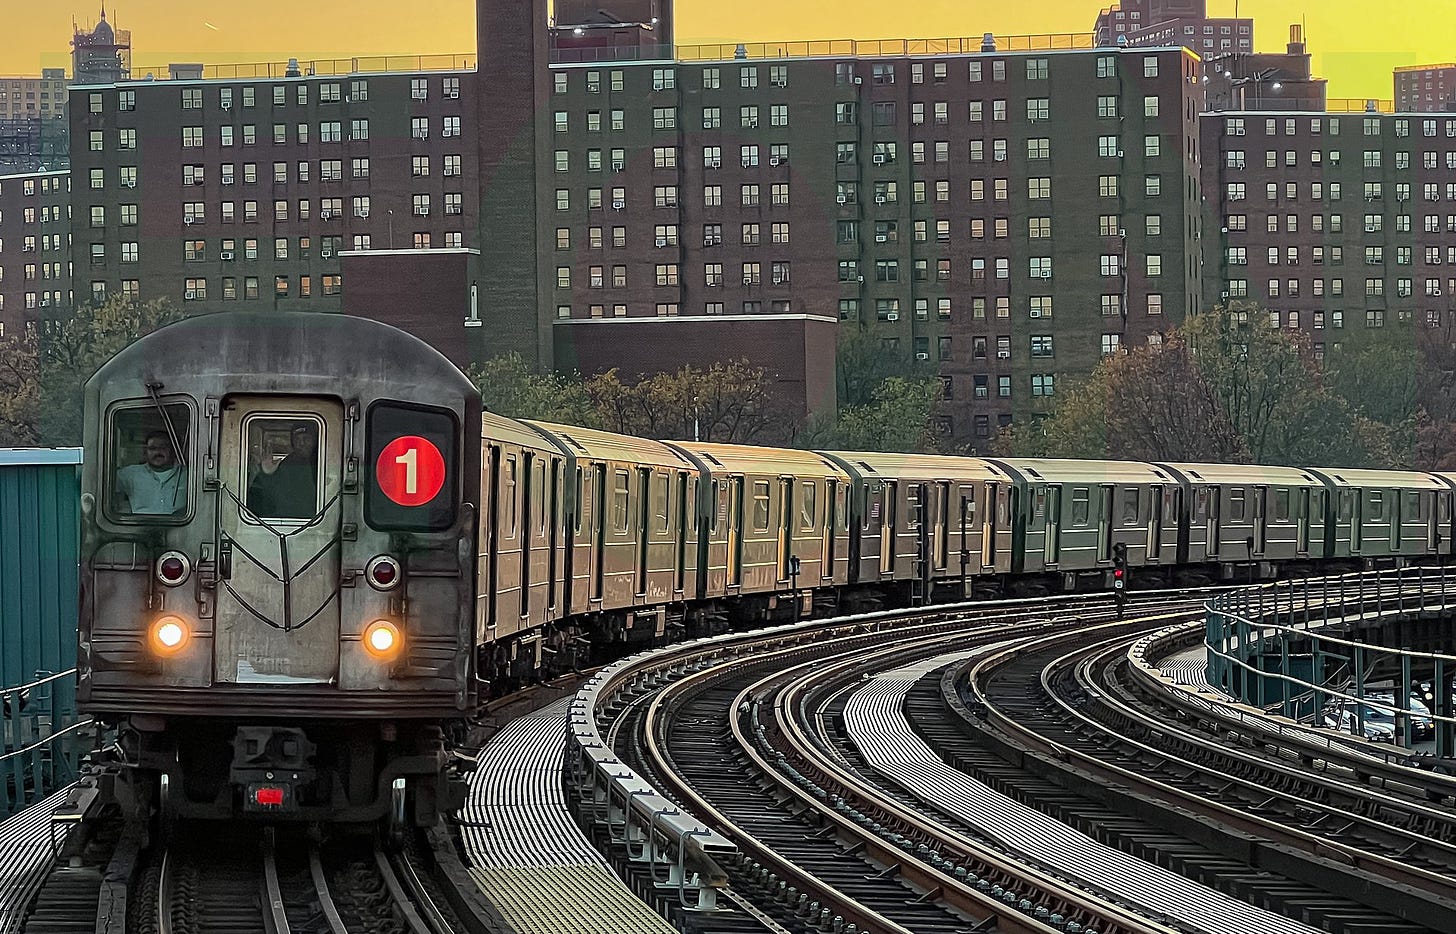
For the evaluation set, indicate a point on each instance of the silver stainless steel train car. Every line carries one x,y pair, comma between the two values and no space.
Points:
277,571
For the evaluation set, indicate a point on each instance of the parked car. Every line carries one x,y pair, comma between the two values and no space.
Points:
1379,724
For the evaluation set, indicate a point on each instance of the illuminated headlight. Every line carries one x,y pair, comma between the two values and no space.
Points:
170,634
383,573
173,567
382,639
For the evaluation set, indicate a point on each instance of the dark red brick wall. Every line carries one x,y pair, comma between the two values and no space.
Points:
426,293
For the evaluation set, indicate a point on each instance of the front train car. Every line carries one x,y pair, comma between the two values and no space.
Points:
277,567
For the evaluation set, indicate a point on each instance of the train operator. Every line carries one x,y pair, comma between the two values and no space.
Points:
158,486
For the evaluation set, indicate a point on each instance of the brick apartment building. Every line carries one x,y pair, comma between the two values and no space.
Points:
1425,88
1004,216
1339,223
1173,23
35,247
33,129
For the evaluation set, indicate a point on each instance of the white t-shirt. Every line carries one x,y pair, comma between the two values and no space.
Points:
152,492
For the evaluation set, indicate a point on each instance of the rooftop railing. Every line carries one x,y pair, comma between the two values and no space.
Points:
825,48
322,67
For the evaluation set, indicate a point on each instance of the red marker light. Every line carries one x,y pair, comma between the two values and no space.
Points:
1118,573
268,797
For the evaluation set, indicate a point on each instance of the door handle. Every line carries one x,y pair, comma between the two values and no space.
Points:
225,560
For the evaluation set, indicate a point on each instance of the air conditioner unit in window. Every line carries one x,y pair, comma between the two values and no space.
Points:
922,356
422,212
326,214
618,205
453,95
1046,275
879,199
189,295
774,160
999,157
881,238
893,316
1003,355
842,199
879,159
662,241
715,163
326,253
714,283
226,105
752,123
779,280
362,212
128,184
188,219
748,280
747,163
858,80
227,256
709,125
617,166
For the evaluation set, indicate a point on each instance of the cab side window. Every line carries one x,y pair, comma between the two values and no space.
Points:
146,470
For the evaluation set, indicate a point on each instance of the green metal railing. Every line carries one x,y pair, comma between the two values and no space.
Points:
1258,637
41,739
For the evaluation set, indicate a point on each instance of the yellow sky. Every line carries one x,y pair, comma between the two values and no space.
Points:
1357,41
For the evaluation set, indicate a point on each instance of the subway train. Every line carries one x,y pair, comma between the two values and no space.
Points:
309,555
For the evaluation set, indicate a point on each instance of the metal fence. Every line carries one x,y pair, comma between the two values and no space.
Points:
320,67
824,48
39,557
1300,647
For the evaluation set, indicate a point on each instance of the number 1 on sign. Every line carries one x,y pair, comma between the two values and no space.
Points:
411,471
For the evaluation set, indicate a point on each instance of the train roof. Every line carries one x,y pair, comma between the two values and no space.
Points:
1251,474
747,459
1360,477
606,445
1056,470
499,428
920,466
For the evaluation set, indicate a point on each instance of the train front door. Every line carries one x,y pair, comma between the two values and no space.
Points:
279,526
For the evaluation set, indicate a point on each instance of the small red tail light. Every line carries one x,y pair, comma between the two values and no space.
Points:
173,568
383,573
268,797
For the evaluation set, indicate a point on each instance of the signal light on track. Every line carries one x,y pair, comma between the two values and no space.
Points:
382,639
383,572
170,635
268,797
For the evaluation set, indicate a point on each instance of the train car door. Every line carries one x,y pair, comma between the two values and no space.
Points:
553,534
988,527
1398,513
1261,519
1052,546
279,529
1214,497
735,531
1155,523
644,525
1104,523
531,483
599,531
786,526
1440,509
1356,501
831,517
493,472
683,516
889,531
942,525
1301,538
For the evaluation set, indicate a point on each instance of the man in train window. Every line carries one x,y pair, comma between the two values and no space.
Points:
291,490
156,487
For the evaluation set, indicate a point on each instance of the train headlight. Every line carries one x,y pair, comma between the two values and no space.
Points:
382,639
173,567
170,634
383,573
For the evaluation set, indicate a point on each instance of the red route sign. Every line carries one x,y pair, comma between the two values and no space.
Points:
410,470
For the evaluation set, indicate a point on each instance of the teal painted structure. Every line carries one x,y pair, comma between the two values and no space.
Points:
40,550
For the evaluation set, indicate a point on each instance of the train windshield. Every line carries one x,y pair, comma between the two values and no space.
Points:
148,473
283,466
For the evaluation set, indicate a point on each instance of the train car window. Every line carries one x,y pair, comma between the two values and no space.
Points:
1443,507
1081,502
281,476
871,510
508,490
147,479
720,494
1200,505
760,505
1281,505
841,514
538,494
581,500
414,454
1039,503
621,493
968,504
1415,506
807,505
659,502
1131,497
1236,505
1346,503
1377,505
